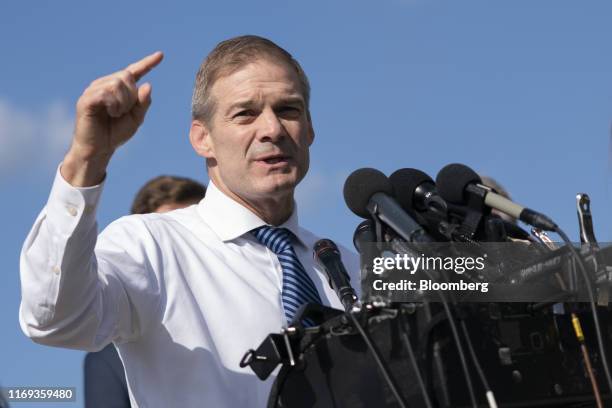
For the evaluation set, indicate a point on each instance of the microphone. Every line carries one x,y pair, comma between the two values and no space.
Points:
366,245
368,192
458,183
327,254
364,235
415,190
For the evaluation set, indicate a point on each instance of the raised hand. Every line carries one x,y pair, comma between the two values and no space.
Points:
109,112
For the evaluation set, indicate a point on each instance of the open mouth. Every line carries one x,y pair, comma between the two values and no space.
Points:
274,160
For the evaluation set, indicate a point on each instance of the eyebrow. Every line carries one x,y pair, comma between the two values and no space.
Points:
291,100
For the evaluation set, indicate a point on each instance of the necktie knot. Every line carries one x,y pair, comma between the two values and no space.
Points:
278,240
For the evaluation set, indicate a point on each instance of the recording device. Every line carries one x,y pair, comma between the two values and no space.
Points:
327,254
364,235
461,185
585,220
369,194
417,193
528,355
415,190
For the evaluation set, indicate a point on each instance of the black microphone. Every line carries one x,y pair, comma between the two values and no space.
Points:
458,183
415,190
364,235
327,254
368,192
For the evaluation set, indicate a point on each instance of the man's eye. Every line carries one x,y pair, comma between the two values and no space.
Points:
290,110
245,113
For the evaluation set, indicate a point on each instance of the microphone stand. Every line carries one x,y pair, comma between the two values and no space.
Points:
351,306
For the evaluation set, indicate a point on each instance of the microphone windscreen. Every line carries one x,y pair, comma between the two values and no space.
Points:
405,183
361,185
452,181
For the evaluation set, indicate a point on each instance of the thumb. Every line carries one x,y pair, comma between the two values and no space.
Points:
144,101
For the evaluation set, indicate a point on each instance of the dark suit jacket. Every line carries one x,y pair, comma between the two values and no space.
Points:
3,403
105,385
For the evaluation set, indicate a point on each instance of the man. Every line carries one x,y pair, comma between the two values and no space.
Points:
105,384
183,295
3,403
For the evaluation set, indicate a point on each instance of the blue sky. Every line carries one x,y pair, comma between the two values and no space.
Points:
518,90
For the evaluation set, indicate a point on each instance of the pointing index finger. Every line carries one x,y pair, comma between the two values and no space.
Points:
141,68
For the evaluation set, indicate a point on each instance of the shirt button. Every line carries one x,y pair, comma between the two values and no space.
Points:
72,211
56,270
89,209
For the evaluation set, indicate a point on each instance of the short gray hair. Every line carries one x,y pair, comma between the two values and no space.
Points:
228,57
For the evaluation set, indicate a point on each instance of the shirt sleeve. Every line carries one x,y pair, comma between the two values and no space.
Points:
81,291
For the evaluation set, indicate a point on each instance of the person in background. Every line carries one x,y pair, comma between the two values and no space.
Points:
166,193
104,376
501,190
3,403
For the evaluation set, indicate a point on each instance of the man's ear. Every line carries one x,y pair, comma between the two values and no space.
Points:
311,132
199,136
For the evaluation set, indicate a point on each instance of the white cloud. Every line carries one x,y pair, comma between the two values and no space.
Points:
59,125
16,133
32,137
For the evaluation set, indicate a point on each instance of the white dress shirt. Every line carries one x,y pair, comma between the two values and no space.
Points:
182,294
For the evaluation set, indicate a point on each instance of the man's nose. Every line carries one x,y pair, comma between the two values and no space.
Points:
270,126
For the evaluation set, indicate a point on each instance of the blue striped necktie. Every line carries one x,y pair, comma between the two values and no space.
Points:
298,288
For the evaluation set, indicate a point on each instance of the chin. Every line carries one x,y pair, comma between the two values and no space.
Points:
278,185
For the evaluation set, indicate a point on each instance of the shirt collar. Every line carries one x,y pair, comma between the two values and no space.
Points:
230,219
